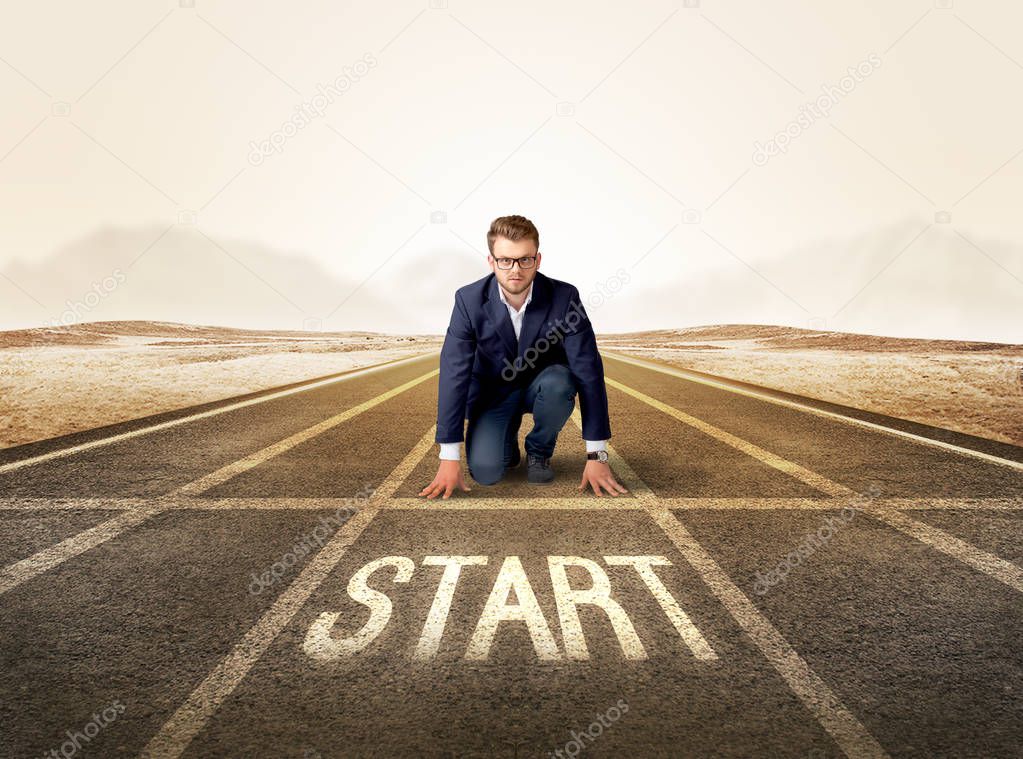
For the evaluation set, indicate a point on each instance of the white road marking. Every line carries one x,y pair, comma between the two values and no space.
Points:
991,565
253,460
36,503
682,373
20,571
190,718
526,609
847,731
790,468
962,504
433,630
322,646
983,561
690,635
599,595
49,456
462,503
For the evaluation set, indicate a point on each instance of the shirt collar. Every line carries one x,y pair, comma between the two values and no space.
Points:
529,296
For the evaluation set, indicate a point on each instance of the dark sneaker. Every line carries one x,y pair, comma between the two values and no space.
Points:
540,472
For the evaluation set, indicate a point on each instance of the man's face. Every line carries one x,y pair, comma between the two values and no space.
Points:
516,279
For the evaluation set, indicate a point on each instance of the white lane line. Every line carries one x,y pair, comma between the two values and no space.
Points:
174,737
35,503
790,468
225,473
469,503
682,373
965,504
847,731
983,561
14,574
23,570
991,565
461,502
611,503
836,503
11,466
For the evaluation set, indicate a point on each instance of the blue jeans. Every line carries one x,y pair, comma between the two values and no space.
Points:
492,437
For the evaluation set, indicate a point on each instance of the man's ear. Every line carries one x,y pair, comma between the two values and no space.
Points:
538,256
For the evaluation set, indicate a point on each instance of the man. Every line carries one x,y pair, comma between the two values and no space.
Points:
518,342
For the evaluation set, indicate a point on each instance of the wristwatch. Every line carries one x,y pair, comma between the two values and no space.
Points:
600,456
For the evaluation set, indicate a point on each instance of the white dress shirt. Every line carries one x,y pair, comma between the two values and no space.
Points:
453,450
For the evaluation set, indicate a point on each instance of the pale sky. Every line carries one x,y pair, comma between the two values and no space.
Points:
627,132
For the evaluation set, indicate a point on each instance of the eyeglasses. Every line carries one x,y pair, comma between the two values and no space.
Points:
526,262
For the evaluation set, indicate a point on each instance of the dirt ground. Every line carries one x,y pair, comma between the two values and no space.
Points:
60,380
56,381
970,387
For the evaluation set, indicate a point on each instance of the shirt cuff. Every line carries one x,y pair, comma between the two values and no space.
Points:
595,445
451,451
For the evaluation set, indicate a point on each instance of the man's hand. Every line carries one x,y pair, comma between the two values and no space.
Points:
598,475
449,476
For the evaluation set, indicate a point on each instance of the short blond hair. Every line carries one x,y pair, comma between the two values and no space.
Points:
514,228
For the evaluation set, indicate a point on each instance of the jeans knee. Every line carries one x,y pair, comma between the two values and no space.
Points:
486,473
556,382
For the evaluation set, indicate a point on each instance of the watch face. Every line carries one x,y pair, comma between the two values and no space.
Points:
601,455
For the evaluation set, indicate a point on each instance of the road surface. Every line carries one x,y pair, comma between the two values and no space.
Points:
258,577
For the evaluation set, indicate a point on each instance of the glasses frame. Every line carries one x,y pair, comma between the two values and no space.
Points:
531,259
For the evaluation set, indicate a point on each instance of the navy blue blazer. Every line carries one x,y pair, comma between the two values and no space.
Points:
481,362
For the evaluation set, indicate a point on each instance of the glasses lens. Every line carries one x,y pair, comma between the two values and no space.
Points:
505,263
526,262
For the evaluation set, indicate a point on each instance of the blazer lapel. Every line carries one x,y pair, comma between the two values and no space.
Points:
536,312
501,318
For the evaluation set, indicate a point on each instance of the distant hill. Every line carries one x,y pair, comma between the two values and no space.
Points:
769,336
138,331
708,337
911,278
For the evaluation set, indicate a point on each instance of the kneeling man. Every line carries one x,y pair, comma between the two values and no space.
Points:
518,342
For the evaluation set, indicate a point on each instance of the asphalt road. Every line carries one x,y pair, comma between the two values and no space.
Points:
258,578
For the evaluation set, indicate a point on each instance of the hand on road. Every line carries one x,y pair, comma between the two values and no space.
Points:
449,477
598,475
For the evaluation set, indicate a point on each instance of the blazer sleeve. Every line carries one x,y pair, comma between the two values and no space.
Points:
588,369
456,360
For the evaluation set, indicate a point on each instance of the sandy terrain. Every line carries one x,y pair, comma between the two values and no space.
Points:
971,387
65,379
